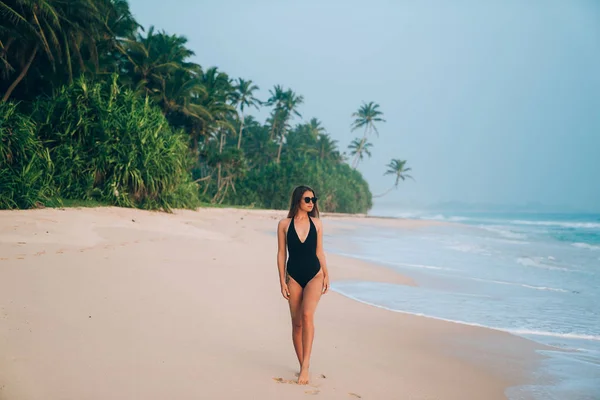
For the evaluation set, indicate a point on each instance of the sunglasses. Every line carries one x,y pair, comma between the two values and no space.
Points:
308,199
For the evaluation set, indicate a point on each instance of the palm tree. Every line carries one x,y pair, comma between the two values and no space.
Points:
244,97
277,99
358,147
315,128
217,101
158,67
51,29
24,32
366,117
177,101
290,108
258,147
153,59
398,168
120,25
327,148
82,29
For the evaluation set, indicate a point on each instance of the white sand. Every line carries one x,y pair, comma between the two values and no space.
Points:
113,303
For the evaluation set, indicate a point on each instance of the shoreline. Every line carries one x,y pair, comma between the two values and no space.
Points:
124,271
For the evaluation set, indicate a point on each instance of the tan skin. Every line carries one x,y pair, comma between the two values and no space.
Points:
302,302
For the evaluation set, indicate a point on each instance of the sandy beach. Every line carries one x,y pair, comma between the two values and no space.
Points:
112,303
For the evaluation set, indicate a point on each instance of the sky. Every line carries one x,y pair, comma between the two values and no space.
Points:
488,101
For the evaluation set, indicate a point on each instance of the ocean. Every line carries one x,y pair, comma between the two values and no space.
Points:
533,275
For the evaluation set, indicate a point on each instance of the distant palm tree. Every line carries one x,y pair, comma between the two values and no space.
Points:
120,25
180,105
315,128
327,148
218,103
244,97
291,103
217,100
398,168
359,147
366,117
154,58
276,101
286,106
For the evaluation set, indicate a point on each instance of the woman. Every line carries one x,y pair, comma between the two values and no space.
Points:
306,277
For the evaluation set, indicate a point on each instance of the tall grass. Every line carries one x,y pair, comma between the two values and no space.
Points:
93,142
108,144
25,166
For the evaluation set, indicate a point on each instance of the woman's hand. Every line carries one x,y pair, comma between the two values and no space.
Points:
285,291
325,284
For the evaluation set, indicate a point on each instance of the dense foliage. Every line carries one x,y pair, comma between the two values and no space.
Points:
108,143
93,106
25,166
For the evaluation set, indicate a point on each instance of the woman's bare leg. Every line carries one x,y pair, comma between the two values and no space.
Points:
295,302
310,299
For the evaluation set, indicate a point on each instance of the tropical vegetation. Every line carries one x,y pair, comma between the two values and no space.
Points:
94,107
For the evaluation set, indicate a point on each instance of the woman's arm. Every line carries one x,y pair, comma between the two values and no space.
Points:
281,256
321,255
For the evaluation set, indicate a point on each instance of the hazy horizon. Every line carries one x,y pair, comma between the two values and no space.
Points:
490,103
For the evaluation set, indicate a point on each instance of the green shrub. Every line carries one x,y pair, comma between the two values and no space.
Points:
111,145
25,166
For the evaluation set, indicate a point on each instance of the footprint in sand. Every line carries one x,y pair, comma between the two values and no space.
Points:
313,391
281,380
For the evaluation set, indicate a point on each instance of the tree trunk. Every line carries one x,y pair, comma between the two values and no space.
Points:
68,58
221,141
12,87
201,179
358,153
9,42
384,193
279,151
359,150
241,130
221,191
206,187
219,175
195,142
276,116
220,152
273,128
224,192
80,60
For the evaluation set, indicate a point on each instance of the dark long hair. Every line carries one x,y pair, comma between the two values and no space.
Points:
297,198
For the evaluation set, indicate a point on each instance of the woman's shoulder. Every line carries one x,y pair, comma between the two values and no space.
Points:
317,221
283,223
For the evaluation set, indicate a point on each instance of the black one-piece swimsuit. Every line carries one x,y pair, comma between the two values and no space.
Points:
303,263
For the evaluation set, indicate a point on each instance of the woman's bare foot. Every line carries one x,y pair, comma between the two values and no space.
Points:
303,377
